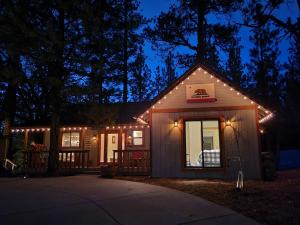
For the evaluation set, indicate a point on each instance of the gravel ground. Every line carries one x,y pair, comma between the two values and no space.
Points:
271,203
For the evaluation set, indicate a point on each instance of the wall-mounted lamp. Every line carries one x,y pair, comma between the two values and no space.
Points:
175,123
94,137
228,123
261,131
129,140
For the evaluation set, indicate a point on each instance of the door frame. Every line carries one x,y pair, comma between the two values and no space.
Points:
106,132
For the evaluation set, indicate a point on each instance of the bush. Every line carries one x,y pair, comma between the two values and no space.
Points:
18,158
108,171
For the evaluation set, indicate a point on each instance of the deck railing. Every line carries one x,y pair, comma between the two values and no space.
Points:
74,159
70,160
132,162
35,161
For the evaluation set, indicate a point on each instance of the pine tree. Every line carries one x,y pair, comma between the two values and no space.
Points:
141,75
129,22
293,77
55,40
290,121
264,66
187,19
234,65
11,74
158,82
98,47
258,13
169,70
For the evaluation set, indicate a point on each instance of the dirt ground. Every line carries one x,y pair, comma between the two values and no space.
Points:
271,203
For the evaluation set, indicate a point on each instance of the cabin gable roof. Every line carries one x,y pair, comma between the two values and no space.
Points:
226,93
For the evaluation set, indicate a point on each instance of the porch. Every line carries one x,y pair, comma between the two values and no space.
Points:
132,162
69,161
85,149
125,162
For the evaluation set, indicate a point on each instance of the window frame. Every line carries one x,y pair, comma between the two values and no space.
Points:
130,133
70,131
221,137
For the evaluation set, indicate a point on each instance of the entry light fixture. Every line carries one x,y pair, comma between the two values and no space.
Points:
175,123
94,137
228,123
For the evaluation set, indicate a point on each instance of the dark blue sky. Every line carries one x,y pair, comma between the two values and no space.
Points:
152,8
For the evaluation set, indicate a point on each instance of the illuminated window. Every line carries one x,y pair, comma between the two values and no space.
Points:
70,139
135,137
202,143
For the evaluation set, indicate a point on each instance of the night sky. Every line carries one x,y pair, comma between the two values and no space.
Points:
152,8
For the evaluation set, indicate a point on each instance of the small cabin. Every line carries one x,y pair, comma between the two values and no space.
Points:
201,126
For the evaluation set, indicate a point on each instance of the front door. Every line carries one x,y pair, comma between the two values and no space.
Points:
112,144
108,142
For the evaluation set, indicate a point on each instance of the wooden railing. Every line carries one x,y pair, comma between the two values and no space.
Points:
74,159
132,162
71,160
35,161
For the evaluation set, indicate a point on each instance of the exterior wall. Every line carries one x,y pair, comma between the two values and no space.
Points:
168,150
47,139
86,143
91,145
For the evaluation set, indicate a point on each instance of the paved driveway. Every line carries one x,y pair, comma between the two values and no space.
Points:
91,200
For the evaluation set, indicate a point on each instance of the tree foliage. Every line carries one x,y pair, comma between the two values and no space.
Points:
186,25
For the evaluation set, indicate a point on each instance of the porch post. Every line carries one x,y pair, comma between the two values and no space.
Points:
26,139
120,139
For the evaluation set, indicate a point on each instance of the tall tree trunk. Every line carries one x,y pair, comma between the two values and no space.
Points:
54,143
201,30
10,101
125,53
56,98
100,84
9,117
102,49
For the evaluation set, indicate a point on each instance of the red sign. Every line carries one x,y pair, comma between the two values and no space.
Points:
200,93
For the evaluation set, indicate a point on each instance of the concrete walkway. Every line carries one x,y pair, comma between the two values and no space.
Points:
89,200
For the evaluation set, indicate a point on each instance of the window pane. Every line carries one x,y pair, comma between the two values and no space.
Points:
137,141
137,133
193,143
211,143
66,140
137,137
75,136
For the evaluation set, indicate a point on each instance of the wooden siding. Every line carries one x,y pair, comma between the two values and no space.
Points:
87,139
47,139
167,145
224,96
91,145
